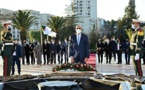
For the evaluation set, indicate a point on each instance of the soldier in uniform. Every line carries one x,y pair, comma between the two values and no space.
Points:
7,49
136,46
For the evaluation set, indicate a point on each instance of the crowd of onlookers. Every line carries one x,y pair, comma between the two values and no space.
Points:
32,52
113,46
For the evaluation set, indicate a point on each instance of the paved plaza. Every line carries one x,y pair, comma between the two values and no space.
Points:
101,68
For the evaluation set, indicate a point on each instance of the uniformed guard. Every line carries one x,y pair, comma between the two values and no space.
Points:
7,48
136,46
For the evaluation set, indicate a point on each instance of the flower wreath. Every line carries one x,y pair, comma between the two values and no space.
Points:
76,67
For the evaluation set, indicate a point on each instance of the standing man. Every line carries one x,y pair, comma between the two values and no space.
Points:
45,51
79,49
127,51
65,50
100,50
60,52
38,51
23,51
108,51
7,49
17,56
53,48
136,46
119,51
113,47
31,51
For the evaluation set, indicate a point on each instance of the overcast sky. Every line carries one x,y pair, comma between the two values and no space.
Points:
107,9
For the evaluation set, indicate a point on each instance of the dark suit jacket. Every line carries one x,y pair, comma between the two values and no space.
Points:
82,49
18,50
53,47
27,49
45,47
126,46
113,45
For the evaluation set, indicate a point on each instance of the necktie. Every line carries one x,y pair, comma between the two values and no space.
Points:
78,39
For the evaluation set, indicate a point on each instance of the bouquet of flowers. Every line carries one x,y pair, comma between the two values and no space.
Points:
76,67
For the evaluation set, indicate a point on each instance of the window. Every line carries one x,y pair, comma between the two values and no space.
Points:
80,5
13,36
88,7
13,31
80,10
17,36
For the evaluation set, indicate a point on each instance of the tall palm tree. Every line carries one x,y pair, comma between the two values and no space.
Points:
23,21
56,23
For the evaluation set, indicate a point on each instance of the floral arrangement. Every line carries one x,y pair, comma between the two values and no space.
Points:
76,67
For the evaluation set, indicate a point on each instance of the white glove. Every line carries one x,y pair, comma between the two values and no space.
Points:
133,44
137,56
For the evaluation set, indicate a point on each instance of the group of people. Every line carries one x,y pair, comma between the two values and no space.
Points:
111,47
15,51
48,49
133,47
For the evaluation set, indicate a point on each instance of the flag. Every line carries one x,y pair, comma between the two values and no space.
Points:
52,34
46,30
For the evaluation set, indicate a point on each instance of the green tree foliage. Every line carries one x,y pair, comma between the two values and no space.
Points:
56,23
125,22
93,39
36,35
23,21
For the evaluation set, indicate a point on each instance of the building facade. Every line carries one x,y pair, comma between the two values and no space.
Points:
85,12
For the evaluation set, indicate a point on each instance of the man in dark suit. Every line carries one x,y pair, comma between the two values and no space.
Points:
143,44
45,47
119,51
23,51
53,49
79,49
60,52
65,50
126,50
113,47
31,51
107,48
27,53
100,50
17,56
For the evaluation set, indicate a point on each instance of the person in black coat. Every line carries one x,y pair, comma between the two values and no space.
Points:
65,50
27,53
113,47
60,52
100,50
31,51
17,56
119,51
126,50
45,51
107,48
53,48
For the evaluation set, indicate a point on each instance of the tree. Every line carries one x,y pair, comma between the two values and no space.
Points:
23,21
126,21
56,23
